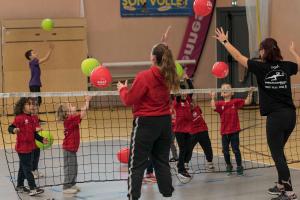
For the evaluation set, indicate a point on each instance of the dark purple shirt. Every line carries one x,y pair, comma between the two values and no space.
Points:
35,70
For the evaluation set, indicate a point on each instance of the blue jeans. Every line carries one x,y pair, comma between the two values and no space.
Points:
234,140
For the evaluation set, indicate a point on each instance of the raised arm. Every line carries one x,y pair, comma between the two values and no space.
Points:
248,100
85,107
165,36
47,56
223,39
212,101
294,53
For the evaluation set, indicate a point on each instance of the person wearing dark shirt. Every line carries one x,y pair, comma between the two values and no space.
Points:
35,83
275,97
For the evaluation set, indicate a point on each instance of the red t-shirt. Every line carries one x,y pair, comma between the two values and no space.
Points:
148,95
183,116
72,137
25,142
229,115
198,124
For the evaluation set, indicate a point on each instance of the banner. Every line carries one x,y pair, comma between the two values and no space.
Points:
194,40
142,8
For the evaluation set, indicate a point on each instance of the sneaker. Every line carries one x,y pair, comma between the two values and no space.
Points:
21,189
184,177
170,198
76,188
240,170
229,169
285,196
70,191
150,178
210,167
184,174
276,190
173,159
36,191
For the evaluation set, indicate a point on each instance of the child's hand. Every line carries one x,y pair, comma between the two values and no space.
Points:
213,95
87,98
45,141
121,85
16,130
251,89
185,76
37,129
51,46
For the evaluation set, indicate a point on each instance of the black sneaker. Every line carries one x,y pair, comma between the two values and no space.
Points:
36,191
275,190
240,170
284,196
173,159
229,169
21,189
184,174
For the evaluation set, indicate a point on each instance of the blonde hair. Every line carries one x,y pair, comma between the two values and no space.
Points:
164,59
62,112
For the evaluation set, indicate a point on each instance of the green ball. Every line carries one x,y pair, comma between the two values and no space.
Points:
179,69
88,65
45,134
47,24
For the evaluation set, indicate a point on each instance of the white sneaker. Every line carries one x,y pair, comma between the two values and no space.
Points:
70,191
35,192
170,198
76,188
210,167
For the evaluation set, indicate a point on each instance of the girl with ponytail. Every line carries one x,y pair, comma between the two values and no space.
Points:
151,137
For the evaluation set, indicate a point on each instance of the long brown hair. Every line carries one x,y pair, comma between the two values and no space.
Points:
164,59
62,112
272,52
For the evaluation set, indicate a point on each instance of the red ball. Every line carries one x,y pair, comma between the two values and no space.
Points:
123,155
202,7
100,77
220,70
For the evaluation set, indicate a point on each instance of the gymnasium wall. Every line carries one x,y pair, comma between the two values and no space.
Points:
112,38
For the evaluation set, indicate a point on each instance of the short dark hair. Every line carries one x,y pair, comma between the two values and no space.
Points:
28,54
272,52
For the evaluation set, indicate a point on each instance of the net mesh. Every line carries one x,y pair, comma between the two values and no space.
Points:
107,128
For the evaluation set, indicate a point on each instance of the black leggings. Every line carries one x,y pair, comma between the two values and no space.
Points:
280,125
36,89
203,139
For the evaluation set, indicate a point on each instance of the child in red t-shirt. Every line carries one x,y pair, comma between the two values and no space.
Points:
199,134
68,114
26,126
230,124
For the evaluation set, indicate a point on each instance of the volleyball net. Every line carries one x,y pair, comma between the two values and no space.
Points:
107,128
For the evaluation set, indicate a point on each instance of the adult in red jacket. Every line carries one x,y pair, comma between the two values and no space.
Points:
149,97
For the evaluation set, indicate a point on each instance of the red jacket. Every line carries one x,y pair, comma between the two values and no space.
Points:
25,138
228,111
198,124
183,116
72,136
148,95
